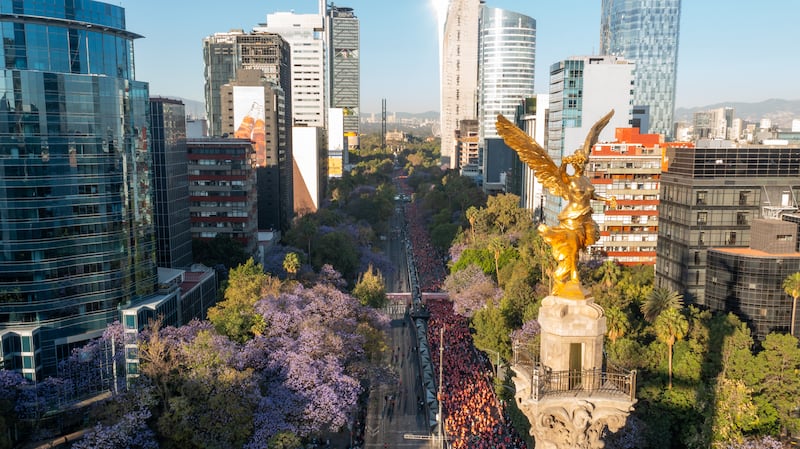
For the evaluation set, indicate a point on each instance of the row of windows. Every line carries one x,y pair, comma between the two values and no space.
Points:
221,224
218,183
94,12
223,214
54,48
238,204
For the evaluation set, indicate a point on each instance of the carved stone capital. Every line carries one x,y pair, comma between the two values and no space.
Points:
571,423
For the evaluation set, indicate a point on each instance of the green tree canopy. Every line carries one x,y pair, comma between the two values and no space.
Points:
291,263
235,317
491,331
791,285
658,301
371,288
221,250
617,323
506,214
778,377
339,250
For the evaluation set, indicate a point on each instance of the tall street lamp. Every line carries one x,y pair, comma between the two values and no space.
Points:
497,367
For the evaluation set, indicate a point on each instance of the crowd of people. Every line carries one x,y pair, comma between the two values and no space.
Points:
472,416
472,413
430,269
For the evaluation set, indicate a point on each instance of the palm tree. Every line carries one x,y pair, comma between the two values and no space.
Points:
659,300
291,262
497,245
671,326
610,272
472,216
617,323
307,228
791,285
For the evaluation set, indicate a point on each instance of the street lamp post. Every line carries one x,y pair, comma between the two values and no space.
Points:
497,367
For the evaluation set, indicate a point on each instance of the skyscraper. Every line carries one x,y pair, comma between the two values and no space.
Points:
582,90
345,64
257,108
646,32
171,183
506,67
225,53
303,32
459,73
238,62
76,188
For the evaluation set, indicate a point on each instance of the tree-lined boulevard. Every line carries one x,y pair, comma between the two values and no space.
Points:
308,347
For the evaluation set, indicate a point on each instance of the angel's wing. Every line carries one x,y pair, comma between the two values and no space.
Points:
594,134
532,154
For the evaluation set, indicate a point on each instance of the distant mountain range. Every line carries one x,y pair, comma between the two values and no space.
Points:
781,112
194,108
197,108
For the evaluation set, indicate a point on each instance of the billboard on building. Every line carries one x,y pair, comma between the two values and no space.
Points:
336,146
248,117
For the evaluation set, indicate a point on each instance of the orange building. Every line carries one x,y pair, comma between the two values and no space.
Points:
630,170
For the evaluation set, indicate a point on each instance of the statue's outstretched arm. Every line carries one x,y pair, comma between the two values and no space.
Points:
611,201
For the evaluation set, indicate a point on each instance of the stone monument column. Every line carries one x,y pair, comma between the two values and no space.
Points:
568,398
568,395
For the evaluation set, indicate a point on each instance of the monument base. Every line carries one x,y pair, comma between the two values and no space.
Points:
568,398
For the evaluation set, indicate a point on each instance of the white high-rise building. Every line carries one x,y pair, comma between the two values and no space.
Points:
459,72
582,90
305,35
534,121
506,68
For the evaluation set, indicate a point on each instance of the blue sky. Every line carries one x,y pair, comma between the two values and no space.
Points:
729,50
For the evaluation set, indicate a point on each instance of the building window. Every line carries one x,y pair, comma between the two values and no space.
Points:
741,218
732,238
701,239
702,218
744,197
701,198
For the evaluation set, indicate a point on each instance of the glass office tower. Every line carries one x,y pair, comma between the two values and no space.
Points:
506,65
76,220
171,183
345,64
646,32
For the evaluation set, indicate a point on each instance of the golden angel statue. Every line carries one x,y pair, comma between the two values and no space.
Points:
576,229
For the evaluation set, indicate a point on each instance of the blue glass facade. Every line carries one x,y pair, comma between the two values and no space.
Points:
506,65
171,183
76,220
646,32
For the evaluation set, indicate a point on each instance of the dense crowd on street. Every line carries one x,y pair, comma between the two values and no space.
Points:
472,414
430,269
472,417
